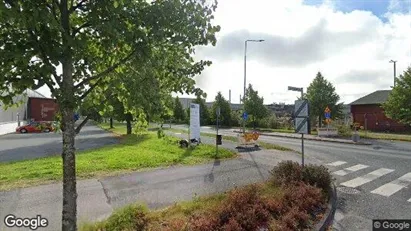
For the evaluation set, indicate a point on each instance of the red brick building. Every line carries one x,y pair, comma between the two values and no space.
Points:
367,111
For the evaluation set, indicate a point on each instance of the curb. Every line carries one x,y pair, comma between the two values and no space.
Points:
332,141
327,221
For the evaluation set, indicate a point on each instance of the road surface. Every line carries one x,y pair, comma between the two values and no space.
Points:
16,147
373,181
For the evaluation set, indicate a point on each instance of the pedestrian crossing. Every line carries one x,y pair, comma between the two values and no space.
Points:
369,175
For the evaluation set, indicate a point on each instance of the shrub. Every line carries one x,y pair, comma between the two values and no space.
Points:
203,223
318,176
303,196
295,219
287,172
344,130
132,217
269,122
246,207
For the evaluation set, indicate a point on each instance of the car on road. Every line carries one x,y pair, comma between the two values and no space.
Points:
35,127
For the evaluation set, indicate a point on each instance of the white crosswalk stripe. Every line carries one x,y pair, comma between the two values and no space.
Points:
394,186
367,178
336,163
350,169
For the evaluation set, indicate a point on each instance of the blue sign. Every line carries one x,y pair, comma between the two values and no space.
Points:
327,115
245,116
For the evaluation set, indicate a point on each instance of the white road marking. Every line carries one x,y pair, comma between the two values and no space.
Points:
337,163
350,169
409,200
394,186
367,178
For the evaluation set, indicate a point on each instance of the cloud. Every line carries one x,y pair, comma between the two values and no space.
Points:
314,45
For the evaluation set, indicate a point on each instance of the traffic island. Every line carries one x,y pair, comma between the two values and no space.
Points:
296,201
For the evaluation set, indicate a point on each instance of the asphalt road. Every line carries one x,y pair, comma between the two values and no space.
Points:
373,181
97,198
16,147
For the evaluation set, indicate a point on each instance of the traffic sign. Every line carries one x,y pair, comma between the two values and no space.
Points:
301,108
294,89
301,125
218,111
245,115
327,115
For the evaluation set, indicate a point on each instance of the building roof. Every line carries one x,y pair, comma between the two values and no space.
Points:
377,97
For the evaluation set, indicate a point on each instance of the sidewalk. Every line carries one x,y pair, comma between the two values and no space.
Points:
311,137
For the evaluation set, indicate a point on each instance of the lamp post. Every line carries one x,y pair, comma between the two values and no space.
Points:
395,67
245,73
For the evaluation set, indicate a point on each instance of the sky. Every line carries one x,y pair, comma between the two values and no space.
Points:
349,41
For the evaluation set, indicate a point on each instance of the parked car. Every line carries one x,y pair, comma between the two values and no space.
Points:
35,127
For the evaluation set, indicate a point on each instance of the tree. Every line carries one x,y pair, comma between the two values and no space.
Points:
178,111
398,105
71,45
254,105
204,112
321,94
225,110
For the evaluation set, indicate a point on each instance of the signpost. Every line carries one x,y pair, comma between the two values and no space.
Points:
302,118
218,140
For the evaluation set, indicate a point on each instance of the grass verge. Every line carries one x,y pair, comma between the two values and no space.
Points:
264,145
134,152
278,204
385,136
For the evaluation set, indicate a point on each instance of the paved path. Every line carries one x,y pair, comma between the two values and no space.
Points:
15,147
157,188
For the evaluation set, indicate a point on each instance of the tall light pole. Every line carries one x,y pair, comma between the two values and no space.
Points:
245,73
395,69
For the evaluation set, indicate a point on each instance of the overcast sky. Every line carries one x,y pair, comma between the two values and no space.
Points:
349,41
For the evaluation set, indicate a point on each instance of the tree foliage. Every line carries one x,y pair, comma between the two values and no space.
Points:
225,110
398,105
321,94
204,111
72,45
254,105
179,114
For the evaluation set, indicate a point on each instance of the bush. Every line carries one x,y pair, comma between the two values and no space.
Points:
245,207
344,130
132,217
318,176
289,172
269,122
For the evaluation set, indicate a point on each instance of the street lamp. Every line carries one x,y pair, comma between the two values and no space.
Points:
245,72
394,62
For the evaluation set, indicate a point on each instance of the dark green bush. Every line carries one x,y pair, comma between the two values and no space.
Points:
318,176
289,172
344,130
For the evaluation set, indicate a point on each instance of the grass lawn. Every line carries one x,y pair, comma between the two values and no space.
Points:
134,152
385,136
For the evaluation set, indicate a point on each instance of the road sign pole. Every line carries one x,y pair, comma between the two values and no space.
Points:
302,135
